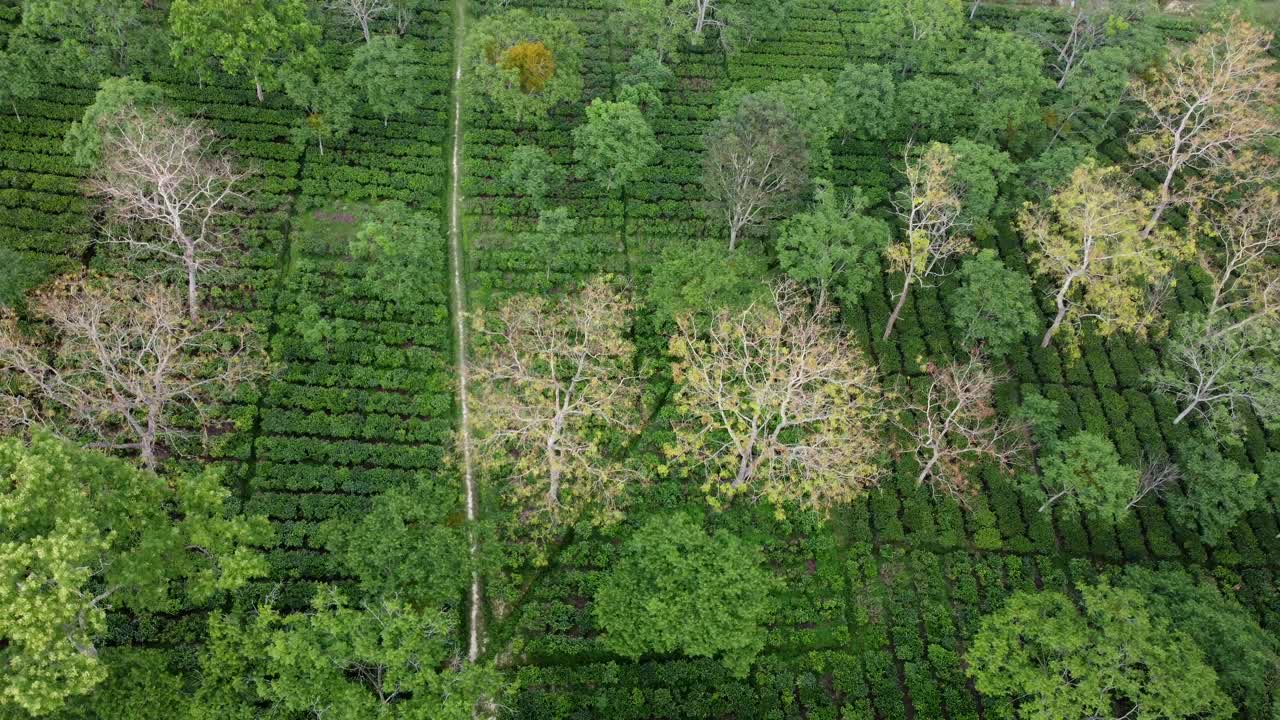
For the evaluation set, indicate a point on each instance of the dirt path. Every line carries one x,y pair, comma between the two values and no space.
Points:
459,293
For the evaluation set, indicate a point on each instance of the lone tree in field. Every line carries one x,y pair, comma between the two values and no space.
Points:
82,534
167,192
929,208
121,365
524,63
1085,473
1215,370
553,385
1209,111
953,427
756,163
1089,242
1055,660
776,403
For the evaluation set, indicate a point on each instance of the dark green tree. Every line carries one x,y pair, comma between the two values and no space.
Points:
531,173
994,307
676,588
323,94
1084,472
680,283
1217,490
615,144
868,93
1114,653
834,245
81,533
1005,73
253,38
388,76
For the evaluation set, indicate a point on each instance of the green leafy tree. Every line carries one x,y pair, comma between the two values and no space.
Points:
407,545
644,80
1084,473
834,245
810,102
676,588
115,95
615,144
1005,73
388,76
654,26
531,173
937,107
1217,490
868,93
383,658
680,284
253,38
916,34
994,306
81,533
323,94
981,172
1059,661
1245,656
524,63
93,36
1095,92
18,83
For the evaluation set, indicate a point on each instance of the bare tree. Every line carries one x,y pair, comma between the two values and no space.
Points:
1245,282
121,363
929,207
168,192
363,12
775,402
550,380
953,426
1155,477
1088,241
702,12
1215,372
755,163
1208,112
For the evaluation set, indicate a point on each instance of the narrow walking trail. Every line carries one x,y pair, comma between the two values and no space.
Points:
459,302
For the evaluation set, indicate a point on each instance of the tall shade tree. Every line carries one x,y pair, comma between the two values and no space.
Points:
244,37
82,534
1005,73
93,36
1208,112
1217,373
676,588
952,426
756,163
1088,241
1091,25
868,93
1084,473
615,144
524,63
552,380
775,403
1245,656
1111,655
19,81
389,77
994,308
116,99
169,193
929,207
530,173
361,13
1218,491
834,245
653,25
382,658
324,95
915,33
122,364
